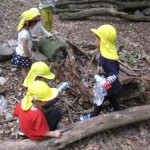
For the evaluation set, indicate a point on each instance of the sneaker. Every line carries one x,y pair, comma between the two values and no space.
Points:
85,117
111,109
20,132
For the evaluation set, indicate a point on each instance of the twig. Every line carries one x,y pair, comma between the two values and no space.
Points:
89,67
8,66
76,47
16,133
129,67
82,112
9,120
67,106
15,99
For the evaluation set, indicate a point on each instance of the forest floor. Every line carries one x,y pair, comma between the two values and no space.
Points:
133,35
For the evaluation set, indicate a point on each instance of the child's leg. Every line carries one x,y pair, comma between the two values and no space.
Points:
50,19
96,111
53,118
24,72
45,16
114,101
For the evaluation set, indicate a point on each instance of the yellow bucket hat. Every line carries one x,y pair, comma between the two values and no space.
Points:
38,90
107,34
35,10
38,69
26,16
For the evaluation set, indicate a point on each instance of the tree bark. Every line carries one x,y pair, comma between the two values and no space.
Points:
119,5
83,129
102,11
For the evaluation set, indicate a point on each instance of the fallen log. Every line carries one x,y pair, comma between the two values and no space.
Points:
82,129
102,11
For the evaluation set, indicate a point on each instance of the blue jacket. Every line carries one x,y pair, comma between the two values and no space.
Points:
110,70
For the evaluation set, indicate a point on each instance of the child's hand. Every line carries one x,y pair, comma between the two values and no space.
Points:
57,133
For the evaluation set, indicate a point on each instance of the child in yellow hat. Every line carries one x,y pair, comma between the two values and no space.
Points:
22,57
108,66
34,123
40,70
36,30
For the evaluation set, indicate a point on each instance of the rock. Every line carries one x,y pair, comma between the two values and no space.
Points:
138,13
53,49
5,53
8,115
13,44
1,71
39,57
2,80
2,90
146,12
14,69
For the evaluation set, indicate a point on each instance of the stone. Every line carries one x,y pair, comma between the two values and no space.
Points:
146,12
2,90
1,71
12,43
39,56
14,69
2,80
5,53
138,13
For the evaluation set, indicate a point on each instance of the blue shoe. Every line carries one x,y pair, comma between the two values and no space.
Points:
85,117
111,109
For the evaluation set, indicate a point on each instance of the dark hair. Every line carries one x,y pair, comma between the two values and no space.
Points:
30,23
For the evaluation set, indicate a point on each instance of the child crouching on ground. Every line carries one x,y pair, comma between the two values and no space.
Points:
108,67
33,122
41,71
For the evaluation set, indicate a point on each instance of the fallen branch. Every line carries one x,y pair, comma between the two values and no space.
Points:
102,11
83,129
132,69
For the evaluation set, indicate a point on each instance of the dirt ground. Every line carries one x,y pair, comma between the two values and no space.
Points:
133,35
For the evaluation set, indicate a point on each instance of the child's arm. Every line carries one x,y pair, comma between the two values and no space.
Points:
55,133
26,50
48,34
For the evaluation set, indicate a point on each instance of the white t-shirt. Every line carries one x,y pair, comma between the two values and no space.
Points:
35,31
46,3
23,34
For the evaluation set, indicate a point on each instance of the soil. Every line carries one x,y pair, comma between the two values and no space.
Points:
133,35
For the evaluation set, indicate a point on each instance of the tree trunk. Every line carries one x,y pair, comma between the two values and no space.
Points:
102,11
83,129
119,5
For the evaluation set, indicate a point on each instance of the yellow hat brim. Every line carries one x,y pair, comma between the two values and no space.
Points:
27,101
32,76
95,31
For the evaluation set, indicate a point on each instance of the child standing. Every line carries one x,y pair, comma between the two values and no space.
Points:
35,33
46,7
22,58
108,66
34,123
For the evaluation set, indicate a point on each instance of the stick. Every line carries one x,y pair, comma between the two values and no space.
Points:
89,67
9,120
15,99
129,67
